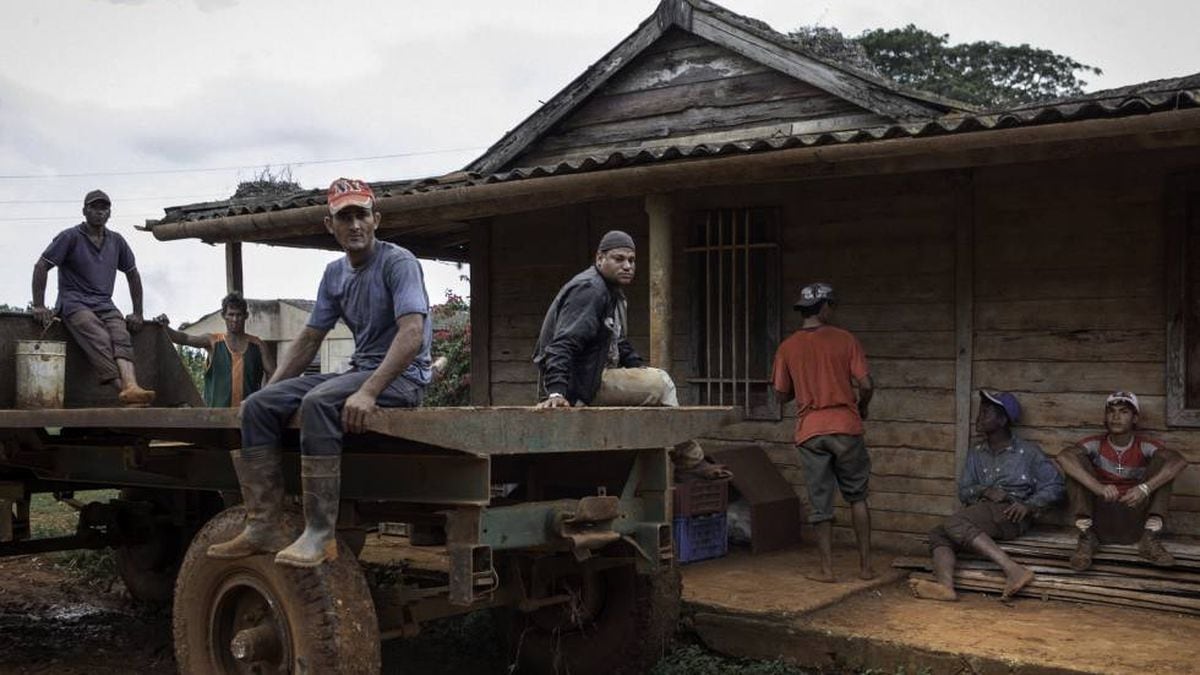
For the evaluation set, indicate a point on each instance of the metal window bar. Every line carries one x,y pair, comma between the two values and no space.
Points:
721,308
733,309
746,305
707,306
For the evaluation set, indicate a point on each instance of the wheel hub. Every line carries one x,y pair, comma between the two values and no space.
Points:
250,633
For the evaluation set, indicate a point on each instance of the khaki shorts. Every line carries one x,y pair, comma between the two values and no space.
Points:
635,387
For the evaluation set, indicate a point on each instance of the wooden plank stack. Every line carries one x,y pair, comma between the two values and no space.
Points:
1118,577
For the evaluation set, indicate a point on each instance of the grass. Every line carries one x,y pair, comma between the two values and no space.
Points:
51,518
695,660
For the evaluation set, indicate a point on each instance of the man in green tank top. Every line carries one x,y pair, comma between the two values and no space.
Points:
238,363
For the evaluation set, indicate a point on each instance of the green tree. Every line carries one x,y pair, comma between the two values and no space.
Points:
985,73
194,361
452,341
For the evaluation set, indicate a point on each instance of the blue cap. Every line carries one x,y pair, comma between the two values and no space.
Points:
1004,400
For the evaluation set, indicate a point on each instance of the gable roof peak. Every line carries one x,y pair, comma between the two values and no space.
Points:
744,36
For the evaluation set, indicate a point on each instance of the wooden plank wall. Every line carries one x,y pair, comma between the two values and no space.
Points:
534,254
686,90
1070,299
1068,304
887,246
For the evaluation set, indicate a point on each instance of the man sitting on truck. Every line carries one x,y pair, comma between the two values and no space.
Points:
1119,485
238,362
584,356
88,257
378,290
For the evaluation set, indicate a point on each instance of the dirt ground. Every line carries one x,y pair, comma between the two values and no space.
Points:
54,622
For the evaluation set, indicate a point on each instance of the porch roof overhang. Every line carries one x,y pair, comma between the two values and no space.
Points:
430,216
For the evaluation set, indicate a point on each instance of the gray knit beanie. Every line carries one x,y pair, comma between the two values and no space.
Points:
615,239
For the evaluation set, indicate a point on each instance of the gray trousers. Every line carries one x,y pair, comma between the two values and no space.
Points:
103,337
319,398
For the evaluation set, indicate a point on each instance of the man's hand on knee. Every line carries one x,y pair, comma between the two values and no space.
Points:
355,412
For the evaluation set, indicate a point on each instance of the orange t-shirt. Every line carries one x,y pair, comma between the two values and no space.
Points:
816,366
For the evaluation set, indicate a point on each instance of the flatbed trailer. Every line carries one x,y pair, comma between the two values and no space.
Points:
558,519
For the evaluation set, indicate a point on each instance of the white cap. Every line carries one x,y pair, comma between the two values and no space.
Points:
1124,397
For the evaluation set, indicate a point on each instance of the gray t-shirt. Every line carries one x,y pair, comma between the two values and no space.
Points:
370,299
86,272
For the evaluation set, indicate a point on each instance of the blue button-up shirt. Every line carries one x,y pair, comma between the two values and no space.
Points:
1021,469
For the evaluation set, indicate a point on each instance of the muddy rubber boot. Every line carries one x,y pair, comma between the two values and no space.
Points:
1085,549
1151,548
260,474
321,477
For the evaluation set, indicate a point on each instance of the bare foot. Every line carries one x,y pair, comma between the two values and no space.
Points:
866,574
823,577
931,590
1015,585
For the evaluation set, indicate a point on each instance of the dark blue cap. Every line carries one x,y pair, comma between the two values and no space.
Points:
1004,400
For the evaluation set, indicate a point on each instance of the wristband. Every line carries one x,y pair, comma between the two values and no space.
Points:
1144,488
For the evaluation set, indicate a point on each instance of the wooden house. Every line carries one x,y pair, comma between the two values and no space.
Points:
1046,250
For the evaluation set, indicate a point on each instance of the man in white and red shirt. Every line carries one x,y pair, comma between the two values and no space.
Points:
1119,485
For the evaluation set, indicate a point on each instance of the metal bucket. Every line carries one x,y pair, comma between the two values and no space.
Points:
41,374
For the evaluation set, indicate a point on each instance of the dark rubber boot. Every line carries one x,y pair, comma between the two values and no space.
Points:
260,474
321,477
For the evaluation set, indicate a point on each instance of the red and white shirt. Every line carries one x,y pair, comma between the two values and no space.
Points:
1122,467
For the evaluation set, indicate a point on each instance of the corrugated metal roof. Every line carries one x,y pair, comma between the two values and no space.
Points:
1141,99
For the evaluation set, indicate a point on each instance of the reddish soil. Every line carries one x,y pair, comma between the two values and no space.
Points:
53,622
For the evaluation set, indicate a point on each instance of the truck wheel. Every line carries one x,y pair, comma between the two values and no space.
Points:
619,622
148,569
253,616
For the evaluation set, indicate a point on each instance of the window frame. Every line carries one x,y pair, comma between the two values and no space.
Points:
1182,205
703,323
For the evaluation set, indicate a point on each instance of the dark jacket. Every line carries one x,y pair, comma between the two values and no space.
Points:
572,349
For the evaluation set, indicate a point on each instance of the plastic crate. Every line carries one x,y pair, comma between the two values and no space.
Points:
700,537
700,497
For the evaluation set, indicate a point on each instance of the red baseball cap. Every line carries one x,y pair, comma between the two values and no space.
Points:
345,192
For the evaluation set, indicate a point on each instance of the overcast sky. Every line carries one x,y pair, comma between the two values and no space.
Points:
171,86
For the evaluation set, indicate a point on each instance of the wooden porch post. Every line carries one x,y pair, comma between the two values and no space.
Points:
233,267
964,312
658,208
481,312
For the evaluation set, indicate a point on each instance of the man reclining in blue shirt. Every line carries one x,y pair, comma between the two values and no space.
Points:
1005,481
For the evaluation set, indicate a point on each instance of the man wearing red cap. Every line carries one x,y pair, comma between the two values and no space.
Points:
88,257
1005,481
1119,485
378,289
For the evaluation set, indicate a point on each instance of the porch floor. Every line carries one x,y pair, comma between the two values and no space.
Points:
763,607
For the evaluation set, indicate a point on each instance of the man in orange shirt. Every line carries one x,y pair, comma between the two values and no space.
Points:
820,366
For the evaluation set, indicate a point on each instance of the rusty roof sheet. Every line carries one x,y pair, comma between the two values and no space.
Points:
1141,99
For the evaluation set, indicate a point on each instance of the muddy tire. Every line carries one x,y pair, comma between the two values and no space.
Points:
630,628
251,615
149,569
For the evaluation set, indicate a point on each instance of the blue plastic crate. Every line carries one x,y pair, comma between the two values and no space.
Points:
700,537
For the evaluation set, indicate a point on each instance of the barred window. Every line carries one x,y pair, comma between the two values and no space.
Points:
734,259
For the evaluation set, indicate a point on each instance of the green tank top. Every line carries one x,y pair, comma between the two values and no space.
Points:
232,376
